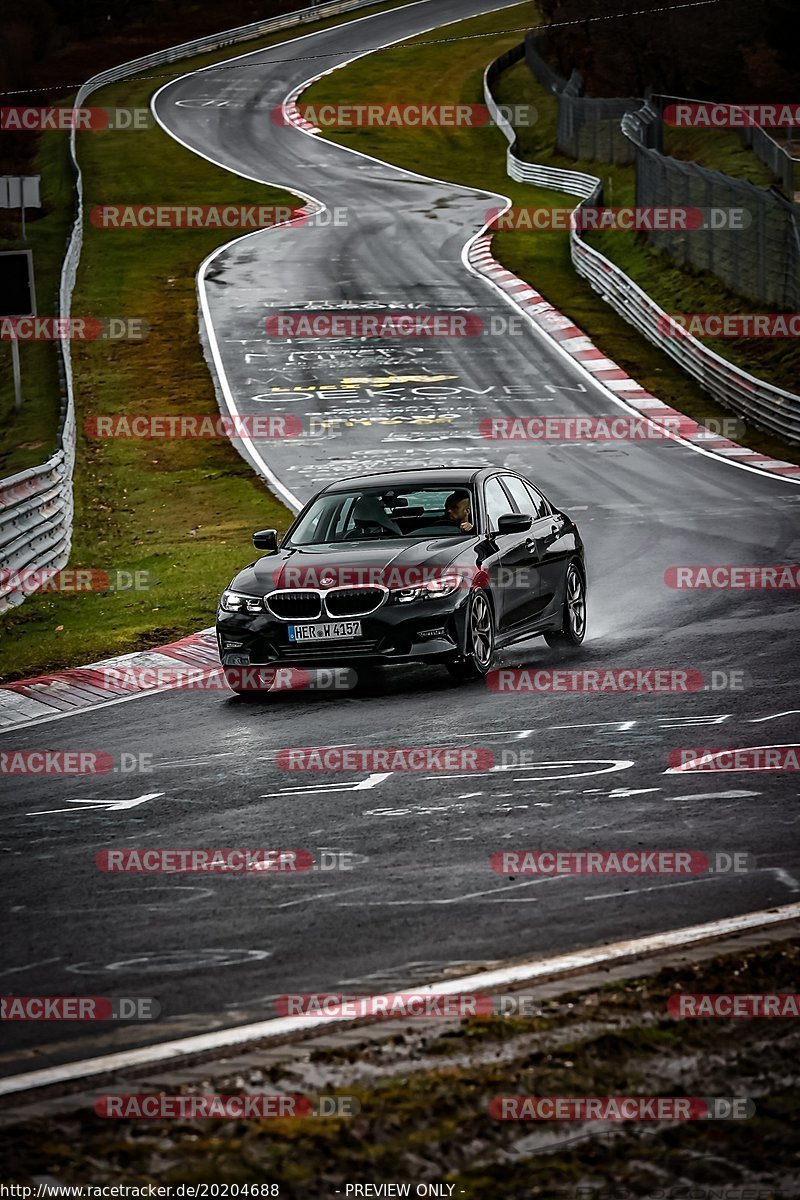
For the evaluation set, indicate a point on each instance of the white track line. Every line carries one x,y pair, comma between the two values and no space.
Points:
533,971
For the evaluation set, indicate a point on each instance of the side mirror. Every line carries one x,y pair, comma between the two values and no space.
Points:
514,523
267,539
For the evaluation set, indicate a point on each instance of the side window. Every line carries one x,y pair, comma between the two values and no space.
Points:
497,502
542,508
523,497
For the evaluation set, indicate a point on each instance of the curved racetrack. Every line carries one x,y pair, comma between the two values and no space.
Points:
421,900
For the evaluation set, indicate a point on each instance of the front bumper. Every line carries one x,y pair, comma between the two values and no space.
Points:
422,631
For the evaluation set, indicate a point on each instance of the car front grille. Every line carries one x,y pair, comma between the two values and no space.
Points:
295,606
353,602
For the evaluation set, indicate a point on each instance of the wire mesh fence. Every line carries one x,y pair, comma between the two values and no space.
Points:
749,237
588,127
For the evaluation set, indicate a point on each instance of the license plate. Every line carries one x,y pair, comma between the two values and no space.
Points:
326,632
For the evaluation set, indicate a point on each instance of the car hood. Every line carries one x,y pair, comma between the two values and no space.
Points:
348,565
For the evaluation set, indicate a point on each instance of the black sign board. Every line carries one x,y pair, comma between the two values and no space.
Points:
17,295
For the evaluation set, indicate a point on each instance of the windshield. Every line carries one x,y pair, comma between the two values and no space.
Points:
374,513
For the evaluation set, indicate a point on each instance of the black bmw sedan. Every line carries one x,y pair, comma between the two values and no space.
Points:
432,565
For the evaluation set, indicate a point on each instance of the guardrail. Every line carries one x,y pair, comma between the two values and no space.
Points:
36,505
761,404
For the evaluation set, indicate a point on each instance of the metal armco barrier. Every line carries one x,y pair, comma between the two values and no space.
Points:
36,505
763,405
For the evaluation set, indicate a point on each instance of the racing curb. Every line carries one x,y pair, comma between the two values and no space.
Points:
609,374
46,697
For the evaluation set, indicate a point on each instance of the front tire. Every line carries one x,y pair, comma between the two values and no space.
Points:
573,628
476,662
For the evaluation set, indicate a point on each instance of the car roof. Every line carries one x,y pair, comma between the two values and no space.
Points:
412,477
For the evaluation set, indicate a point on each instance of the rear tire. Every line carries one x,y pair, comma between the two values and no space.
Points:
573,628
476,662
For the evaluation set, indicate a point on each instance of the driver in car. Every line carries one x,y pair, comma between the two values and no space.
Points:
457,511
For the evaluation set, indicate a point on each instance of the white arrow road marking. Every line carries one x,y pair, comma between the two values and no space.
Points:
87,805
774,717
321,788
618,792
614,764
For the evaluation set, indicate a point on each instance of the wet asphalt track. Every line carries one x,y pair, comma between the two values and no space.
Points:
420,900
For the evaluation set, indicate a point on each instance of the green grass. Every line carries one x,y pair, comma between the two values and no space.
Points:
476,157
721,150
182,510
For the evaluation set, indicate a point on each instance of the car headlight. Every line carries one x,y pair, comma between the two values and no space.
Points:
436,588
239,602
433,589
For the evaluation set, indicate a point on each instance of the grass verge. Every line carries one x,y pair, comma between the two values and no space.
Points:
424,1095
182,511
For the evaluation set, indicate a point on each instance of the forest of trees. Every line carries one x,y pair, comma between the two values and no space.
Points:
743,50
46,42
724,49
